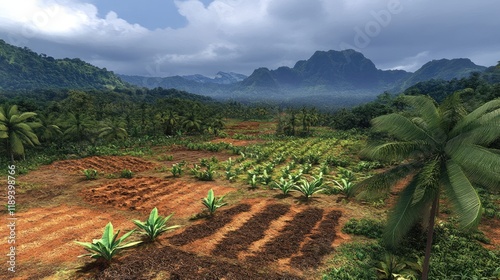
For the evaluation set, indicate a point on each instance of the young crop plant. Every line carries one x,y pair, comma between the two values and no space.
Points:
265,178
109,245
126,173
205,175
213,203
155,225
345,187
284,185
90,174
309,188
253,181
177,170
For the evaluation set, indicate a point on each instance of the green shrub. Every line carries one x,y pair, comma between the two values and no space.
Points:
366,227
284,185
126,173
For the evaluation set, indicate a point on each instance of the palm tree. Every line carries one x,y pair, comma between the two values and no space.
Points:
15,127
447,150
191,122
215,125
170,122
48,127
111,130
78,126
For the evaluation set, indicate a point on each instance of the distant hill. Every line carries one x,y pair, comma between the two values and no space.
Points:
443,69
23,69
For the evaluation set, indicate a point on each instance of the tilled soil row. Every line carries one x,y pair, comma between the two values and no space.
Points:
319,244
291,236
254,229
209,226
172,263
106,164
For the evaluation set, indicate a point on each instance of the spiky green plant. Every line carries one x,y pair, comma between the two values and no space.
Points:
253,181
109,245
309,188
155,225
213,203
447,150
345,187
284,185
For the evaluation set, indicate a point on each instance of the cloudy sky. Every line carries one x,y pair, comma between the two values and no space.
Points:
179,37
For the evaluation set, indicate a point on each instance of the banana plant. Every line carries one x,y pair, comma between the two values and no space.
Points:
109,245
213,203
155,225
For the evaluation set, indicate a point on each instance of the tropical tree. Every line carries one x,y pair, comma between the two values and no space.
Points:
447,150
49,129
16,128
112,130
78,126
170,122
191,122
215,125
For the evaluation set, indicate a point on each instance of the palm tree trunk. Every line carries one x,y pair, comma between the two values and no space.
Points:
430,231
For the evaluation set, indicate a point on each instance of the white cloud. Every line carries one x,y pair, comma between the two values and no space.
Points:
241,35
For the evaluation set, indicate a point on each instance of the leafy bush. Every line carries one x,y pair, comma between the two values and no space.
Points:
90,174
177,169
344,187
366,227
108,246
205,174
155,225
126,173
213,203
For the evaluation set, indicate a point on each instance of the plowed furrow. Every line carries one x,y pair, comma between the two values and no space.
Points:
208,226
253,230
291,236
31,230
319,244
207,244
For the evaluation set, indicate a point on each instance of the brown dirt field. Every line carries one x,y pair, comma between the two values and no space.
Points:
236,142
250,128
145,193
103,164
180,154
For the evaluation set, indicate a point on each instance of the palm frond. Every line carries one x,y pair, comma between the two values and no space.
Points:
476,157
427,179
426,108
396,151
463,196
473,116
406,213
378,185
401,127
482,135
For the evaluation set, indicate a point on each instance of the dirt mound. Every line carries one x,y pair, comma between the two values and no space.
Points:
145,193
103,164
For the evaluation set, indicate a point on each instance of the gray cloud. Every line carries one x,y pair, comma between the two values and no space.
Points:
241,35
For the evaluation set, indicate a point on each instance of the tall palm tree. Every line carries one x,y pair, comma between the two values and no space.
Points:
48,128
215,125
78,126
170,122
18,130
447,150
111,130
191,122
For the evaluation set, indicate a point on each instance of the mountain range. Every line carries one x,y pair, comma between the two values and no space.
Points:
327,78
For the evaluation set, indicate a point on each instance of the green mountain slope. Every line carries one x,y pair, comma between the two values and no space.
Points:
23,69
